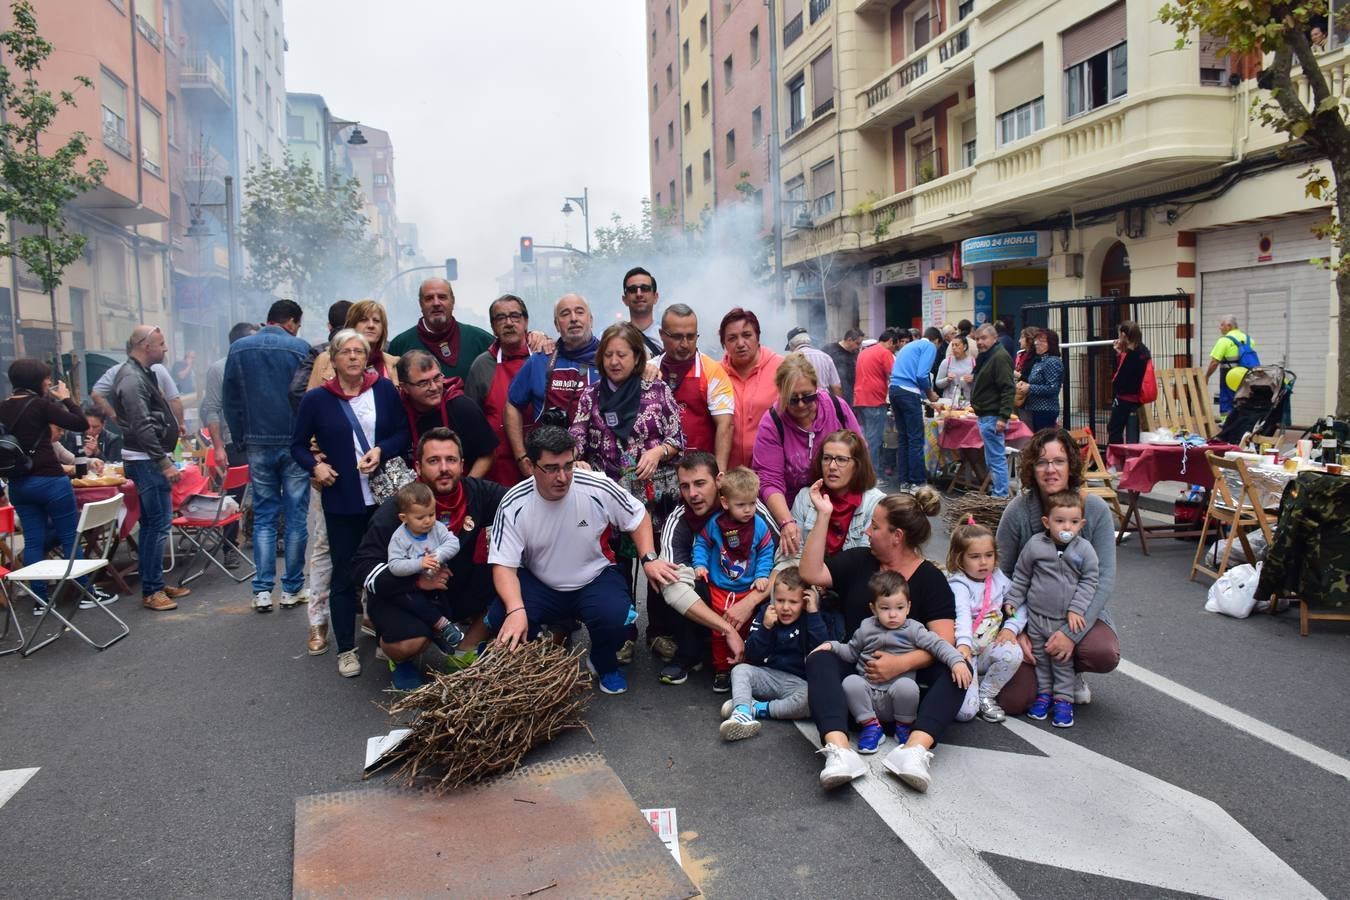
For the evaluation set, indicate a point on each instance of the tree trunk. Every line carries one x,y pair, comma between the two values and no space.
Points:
1342,263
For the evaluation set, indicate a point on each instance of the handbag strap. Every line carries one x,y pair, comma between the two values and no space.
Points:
356,427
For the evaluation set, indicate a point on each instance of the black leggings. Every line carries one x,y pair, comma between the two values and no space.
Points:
825,674
1121,412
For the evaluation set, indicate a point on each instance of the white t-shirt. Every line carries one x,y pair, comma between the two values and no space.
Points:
363,405
564,543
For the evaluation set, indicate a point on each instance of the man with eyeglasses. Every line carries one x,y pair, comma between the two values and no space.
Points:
699,383
151,433
258,373
640,296
433,401
453,344
550,555
549,385
491,375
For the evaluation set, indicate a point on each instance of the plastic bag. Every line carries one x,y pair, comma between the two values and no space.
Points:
1256,538
1234,594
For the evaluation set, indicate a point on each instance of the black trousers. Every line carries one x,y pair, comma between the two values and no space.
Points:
1123,419
825,674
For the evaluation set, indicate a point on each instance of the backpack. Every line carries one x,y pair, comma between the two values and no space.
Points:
1247,356
1148,388
778,423
15,461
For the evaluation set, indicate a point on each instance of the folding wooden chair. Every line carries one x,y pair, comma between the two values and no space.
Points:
100,515
207,535
1236,503
1097,480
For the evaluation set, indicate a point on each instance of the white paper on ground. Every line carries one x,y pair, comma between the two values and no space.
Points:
663,823
381,744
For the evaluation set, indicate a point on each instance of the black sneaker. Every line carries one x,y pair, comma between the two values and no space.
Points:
721,682
674,673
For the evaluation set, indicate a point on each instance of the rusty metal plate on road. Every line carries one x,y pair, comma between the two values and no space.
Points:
568,827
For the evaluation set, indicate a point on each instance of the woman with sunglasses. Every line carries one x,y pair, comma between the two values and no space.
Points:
787,439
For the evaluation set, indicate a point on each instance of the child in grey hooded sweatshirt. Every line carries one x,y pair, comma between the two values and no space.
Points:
1056,578
890,630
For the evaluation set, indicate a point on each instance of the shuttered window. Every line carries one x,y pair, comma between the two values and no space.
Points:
1093,36
822,83
822,188
1019,81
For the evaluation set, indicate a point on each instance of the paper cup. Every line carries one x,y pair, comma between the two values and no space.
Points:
1304,449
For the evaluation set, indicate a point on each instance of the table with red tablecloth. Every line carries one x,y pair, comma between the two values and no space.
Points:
1143,466
960,435
192,482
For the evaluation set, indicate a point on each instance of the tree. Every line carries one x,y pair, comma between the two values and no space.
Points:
301,234
35,186
1282,29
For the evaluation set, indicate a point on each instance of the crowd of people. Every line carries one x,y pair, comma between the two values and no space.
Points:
447,487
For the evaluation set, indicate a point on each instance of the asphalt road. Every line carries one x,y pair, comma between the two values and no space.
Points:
169,765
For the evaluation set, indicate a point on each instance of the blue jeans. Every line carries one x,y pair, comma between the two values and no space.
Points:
995,455
603,605
156,514
873,420
278,483
908,408
46,508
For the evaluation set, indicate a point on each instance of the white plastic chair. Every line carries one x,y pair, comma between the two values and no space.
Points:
95,516
7,611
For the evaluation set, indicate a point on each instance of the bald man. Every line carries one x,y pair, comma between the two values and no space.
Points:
454,344
149,439
547,388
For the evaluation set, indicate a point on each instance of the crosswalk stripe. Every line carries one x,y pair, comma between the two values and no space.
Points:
11,780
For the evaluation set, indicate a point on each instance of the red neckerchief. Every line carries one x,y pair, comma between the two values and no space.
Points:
673,371
452,508
377,364
368,379
696,523
738,538
840,518
501,354
454,387
444,345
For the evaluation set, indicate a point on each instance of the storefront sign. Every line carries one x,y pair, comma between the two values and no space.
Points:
984,305
895,273
1001,247
941,280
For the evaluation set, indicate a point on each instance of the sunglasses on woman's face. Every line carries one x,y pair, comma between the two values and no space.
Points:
802,400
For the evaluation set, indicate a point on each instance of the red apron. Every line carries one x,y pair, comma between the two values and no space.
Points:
504,470
692,396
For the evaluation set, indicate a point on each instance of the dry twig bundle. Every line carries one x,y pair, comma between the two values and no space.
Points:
986,510
482,720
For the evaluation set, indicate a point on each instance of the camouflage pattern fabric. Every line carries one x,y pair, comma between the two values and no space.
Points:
1311,555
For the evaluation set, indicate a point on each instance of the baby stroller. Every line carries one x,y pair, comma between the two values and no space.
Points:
1259,403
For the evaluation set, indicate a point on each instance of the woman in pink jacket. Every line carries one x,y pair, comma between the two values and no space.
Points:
788,438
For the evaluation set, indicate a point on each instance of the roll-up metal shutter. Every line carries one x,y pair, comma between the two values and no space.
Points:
1019,81
1095,35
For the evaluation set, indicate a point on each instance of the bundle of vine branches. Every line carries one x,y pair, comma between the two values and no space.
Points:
480,721
984,509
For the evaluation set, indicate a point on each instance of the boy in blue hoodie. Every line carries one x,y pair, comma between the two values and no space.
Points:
771,683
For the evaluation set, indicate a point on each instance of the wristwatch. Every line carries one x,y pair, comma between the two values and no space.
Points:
649,557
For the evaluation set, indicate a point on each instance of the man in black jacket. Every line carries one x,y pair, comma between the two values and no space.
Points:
463,588
148,442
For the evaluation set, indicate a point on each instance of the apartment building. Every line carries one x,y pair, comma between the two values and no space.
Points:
373,166
120,278
708,107
946,159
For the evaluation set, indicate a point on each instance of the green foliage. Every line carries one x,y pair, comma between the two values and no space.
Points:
300,234
35,184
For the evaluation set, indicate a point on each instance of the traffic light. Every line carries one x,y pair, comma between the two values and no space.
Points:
527,249
451,269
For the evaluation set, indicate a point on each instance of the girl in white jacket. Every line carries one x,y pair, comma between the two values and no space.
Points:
986,626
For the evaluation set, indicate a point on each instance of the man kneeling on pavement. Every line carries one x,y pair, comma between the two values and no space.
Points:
550,557
461,589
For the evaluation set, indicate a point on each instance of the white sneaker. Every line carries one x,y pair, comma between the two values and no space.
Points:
289,600
348,665
742,724
727,708
842,765
380,654
910,764
262,602
104,597
1082,694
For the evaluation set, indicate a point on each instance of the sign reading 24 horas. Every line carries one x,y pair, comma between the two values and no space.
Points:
1002,247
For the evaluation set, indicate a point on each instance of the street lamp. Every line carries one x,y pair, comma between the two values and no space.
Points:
332,126
584,202
199,229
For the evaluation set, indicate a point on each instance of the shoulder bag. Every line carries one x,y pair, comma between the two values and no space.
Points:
392,474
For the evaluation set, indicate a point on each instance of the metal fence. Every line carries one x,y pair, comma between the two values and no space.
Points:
1164,321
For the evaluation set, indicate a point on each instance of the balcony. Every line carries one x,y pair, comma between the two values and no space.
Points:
147,31
818,8
943,66
115,141
792,30
841,233
215,7
202,76
205,171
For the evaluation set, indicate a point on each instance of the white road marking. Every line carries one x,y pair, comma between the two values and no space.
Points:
1093,814
11,780
1281,740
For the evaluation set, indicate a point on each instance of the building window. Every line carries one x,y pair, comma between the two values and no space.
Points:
171,119
794,194
687,121
728,73
670,135
688,180
653,42
704,99
707,166
926,162
822,83
964,9
731,146
658,199
380,180
968,143
703,33
258,87
796,104
754,45
1021,121
113,97
671,193
655,98
295,128
726,8
920,32
280,45
670,77
756,126
667,19
244,69
152,159
1095,81
656,149
792,21
267,33
684,56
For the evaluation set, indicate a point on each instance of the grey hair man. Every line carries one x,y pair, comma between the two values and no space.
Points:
991,396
